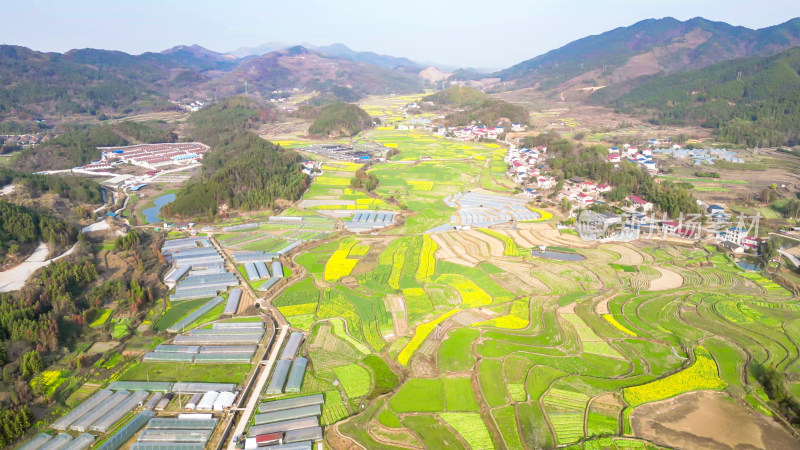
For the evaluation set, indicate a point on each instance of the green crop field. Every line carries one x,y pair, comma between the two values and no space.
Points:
426,335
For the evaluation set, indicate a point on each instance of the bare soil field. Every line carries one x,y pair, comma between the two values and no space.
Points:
452,250
628,255
546,234
708,420
668,280
564,111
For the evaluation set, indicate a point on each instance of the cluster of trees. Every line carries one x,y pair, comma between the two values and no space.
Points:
629,179
242,171
699,174
127,292
774,385
78,189
20,225
34,315
128,241
95,82
751,101
337,119
78,145
334,94
476,107
364,180
15,422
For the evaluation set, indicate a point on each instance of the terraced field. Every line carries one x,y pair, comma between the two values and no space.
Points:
477,343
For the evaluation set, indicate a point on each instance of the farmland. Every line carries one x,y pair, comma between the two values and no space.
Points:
463,336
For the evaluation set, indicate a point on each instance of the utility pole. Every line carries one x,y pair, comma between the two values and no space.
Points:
245,88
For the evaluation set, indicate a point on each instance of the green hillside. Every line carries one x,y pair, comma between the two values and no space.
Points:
750,101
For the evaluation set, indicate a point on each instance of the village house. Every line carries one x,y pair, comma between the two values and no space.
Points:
639,202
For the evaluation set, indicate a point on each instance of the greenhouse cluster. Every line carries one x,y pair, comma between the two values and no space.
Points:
246,256
182,324
232,304
101,411
289,370
368,221
230,342
198,270
188,431
222,336
61,441
482,209
295,421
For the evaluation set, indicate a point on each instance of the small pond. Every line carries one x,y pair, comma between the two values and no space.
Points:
558,256
151,215
751,264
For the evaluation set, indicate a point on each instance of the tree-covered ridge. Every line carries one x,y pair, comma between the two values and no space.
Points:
473,106
20,225
78,144
77,189
675,45
242,170
90,81
751,101
338,119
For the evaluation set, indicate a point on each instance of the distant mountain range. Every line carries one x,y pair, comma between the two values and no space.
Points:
647,48
89,81
338,50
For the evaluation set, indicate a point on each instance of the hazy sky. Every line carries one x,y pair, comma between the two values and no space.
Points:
464,33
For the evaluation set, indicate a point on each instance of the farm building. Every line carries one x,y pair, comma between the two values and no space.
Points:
289,403
196,314
292,345
232,305
37,442
152,386
82,441
71,417
192,403
242,257
118,412
278,379
296,375
287,414
87,420
277,269
153,401
310,434
126,432
269,283
285,426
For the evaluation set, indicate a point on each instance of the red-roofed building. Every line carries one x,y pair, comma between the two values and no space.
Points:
640,202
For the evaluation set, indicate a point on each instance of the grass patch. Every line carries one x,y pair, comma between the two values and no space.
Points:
206,373
419,395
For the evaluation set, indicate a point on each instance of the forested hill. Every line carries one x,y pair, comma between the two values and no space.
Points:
77,145
299,67
21,228
751,101
336,120
469,105
80,190
242,170
88,81
647,48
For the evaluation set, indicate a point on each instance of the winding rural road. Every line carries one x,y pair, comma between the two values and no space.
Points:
14,279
